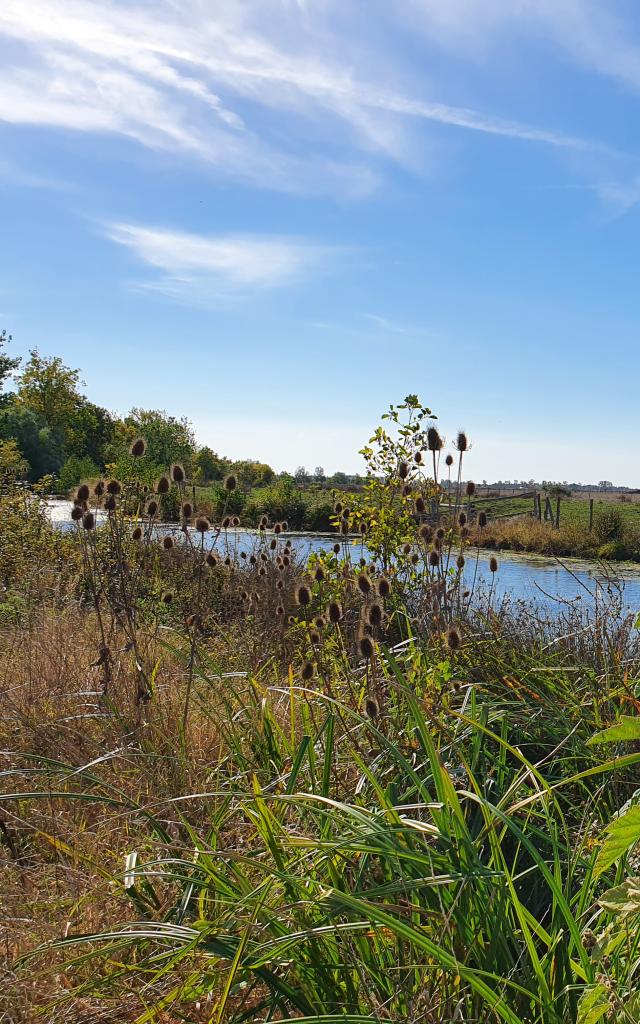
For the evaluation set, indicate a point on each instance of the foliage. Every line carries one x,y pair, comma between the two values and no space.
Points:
13,465
7,364
76,470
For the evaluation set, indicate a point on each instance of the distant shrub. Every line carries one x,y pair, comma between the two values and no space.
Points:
608,524
75,470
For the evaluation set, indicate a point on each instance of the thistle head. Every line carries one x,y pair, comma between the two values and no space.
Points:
462,441
434,440
178,474
89,521
82,494
136,533
230,482
364,584
163,485
167,542
374,614
202,524
334,612
383,587
187,510
114,487
493,564
303,595
365,646
454,640
470,489
307,671
482,520
138,447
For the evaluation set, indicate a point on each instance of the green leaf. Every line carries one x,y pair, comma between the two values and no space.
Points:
593,1004
622,834
623,899
628,728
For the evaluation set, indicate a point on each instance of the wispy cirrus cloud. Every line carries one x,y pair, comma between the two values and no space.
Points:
208,269
196,78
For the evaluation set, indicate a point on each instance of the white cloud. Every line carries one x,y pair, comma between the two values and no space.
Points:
206,269
196,78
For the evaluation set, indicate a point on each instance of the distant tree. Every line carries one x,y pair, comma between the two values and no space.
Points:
605,485
90,431
253,474
7,364
40,446
301,476
13,465
50,389
318,474
208,466
76,470
168,440
339,480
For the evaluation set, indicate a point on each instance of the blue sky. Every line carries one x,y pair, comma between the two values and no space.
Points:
279,216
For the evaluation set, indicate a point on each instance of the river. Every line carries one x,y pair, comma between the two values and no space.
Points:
545,580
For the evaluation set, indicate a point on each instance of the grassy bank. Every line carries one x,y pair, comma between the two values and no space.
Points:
243,789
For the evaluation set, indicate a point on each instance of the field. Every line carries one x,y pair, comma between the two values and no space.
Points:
245,789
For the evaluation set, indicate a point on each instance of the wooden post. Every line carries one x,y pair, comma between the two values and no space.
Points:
548,511
590,514
557,513
535,504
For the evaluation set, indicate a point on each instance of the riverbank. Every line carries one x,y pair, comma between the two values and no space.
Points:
613,537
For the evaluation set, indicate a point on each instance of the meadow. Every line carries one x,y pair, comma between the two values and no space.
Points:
246,789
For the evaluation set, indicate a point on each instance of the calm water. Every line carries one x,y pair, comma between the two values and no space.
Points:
521,576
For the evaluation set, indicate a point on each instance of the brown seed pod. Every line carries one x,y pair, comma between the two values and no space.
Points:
114,487
136,533
152,508
449,460
320,621
415,558
337,508
319,574
307,671
178,474
462,519
440,533
202,524
460,561
383,587
82,494
336,549
454,640
273,545
374,614
303,595
434,440
403,470
425,533
334,612
482,520
470,489
167,597
314,636
279,611
262,571
279,584
406,549
88,521
364,583
187,510
163,485
417,458
462,441
363,528
286,560
371,708
167,543
235,521
211,560
434,559
419,506
493,564
110,503
230,482
76,513
365,646
138,447
98,490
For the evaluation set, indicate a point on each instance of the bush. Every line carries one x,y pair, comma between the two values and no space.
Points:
75,470
608,524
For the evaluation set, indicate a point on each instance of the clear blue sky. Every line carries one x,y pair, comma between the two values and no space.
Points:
278,216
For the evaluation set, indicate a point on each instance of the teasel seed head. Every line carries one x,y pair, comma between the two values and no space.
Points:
167,597
138,447
163,485
363,528
406,490
337,508
89,521
252,560
227,562
167,542
462,441
273,544
470,489
226,522
308,670
277,528
314,637
434,440
403,470
462,519
303,595
449,460
262,571
434,558
211,560
110,503
178,474
383,587
319,574
230,482
371,708
482,520
114,487
279,584
454,639
76,513
285,526
98,490
320,621
415,558
336,549
375,614
187,510
493,564
82,494
334,612
362,562
460,561
202,524
420,506
417,458
264,521
406,549
364,583
152,508
426,533
440,533
365,646
344,527
286,560
136,533
279,611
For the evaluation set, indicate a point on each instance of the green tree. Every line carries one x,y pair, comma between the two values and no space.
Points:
50,389
13,465
208,466
7,364
40,446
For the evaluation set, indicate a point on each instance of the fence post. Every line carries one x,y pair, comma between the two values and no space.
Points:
590,514
557,513
535,504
